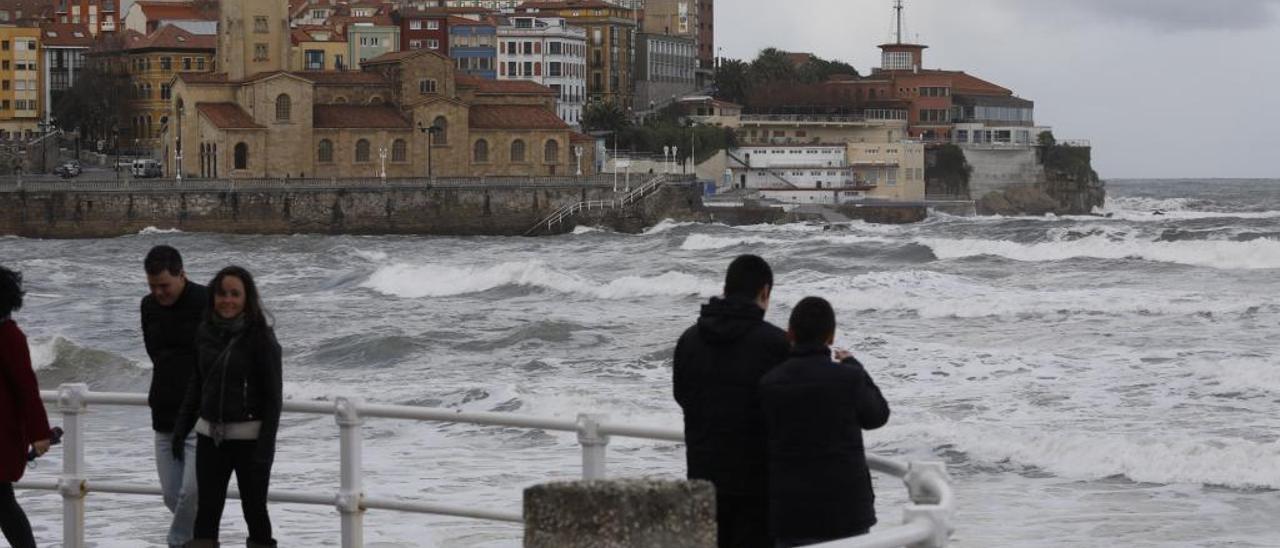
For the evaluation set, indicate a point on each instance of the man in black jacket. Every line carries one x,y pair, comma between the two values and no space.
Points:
717,369
171,315
815,410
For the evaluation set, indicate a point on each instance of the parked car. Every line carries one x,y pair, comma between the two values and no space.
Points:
145,168
68,169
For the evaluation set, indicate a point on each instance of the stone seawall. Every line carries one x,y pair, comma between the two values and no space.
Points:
484,210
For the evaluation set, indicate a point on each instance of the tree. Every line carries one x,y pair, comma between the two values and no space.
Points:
733,81
1046,139
772,65
98,103
604,116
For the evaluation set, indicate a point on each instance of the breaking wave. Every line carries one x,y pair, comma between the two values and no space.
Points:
1228,255
59,360
1152,458
438,280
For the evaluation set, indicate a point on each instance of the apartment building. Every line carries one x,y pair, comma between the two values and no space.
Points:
548,51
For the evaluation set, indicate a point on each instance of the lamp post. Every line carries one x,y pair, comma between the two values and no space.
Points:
675,155
382,154
666,159
115,137
431,132
44,146
577,153
178,145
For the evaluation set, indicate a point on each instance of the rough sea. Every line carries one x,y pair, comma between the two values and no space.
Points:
1090,381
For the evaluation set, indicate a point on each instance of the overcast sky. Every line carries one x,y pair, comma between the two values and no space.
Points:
1163,88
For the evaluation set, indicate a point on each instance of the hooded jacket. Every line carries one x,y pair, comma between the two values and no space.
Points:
170,336
716,372
244,385
23,420
815,411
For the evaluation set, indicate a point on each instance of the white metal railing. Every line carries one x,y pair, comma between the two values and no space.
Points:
558,216
927,519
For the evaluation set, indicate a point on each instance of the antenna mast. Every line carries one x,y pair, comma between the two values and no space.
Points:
898,7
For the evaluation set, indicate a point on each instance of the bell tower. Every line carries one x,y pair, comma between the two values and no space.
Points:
253,37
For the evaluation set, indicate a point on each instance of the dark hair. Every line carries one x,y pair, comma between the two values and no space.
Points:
747,276
254,313
812,321
10,291
163,258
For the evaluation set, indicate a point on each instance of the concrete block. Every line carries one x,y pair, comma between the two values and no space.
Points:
636,513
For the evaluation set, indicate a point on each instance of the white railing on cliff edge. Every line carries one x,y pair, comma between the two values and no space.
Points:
927,520
557,217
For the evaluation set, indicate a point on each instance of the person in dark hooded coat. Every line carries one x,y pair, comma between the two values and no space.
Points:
815,410
717,368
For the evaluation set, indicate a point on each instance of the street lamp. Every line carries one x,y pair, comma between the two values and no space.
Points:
430,131
115,136
382,154
44,146
577,153
178,145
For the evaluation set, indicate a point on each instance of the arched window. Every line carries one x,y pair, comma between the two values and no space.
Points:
552,152
242,156
326,151
517,150
340,100
284,107
442,134
481,151
362,151
399,151
375,100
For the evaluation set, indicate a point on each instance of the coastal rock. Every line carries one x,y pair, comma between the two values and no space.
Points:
1023,200
634,513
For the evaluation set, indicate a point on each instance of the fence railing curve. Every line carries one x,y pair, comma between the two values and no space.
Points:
927,520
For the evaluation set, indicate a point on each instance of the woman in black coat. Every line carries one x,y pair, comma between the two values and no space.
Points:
233,402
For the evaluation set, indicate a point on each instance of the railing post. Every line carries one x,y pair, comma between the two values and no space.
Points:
593,445
351,491
73,405
926,504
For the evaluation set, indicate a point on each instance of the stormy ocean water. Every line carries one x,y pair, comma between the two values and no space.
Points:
1090,381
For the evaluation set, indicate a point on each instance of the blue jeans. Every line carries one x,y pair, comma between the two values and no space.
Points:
178,482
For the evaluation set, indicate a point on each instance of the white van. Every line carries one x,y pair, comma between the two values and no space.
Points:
145,168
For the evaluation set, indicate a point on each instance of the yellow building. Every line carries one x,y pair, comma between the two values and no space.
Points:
405,114
21,82
611,35
319,48
150,62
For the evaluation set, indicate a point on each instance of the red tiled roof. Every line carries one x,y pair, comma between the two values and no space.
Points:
227,116
307,33
377,20
503,87
203,77
177,11
66,35
414,13
569,4
514,117
455,21
581,138
343,78
169,37
358,117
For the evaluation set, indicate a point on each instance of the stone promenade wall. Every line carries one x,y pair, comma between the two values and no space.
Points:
478,210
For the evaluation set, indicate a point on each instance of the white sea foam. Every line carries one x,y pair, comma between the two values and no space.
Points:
586,230
938,295
666,225
1154,457
1240,375
1256,254
437,280
706,242
155,230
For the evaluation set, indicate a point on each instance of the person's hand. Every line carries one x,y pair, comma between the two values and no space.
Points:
179,446
41,447
842,354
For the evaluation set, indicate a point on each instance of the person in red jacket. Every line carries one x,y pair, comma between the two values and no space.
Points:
23,422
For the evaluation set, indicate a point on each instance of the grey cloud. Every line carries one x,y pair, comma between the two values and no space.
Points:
1179,15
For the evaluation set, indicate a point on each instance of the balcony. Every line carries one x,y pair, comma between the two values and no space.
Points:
805,119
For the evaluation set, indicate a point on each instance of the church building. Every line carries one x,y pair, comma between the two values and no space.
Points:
405,114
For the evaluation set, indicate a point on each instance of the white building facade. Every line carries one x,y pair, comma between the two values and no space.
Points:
550,52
